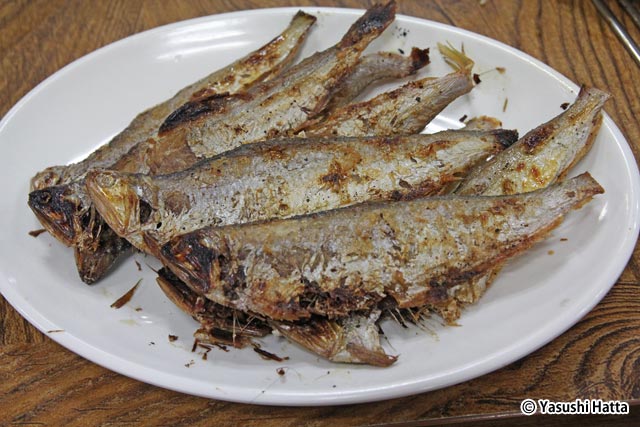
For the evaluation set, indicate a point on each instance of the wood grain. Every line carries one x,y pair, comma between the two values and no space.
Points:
41,383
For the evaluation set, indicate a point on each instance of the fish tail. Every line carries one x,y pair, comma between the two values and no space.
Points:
370,25
456,59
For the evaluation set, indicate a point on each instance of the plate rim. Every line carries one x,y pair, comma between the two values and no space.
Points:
235,394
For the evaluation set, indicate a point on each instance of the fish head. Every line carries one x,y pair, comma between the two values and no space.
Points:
59,211
116,196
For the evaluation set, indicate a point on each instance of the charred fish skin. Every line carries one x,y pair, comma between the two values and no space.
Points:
543,155
337,262
406,110
283,178
259,65
284,105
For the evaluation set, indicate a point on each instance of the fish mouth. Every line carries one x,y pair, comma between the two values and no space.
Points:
116,201
58,211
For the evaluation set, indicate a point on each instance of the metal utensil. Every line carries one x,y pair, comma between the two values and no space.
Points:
619,29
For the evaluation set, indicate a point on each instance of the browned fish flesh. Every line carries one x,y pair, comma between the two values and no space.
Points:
337,262
257,66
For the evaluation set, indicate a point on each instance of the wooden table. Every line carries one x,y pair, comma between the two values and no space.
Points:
42,383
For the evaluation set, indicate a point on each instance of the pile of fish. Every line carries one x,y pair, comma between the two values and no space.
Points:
278,205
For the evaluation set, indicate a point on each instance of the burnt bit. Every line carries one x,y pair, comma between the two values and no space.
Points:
195,345
55,331
401,51
537,136
334,177
564,105
193,110
280,371
138,266
462,119
505,137
476,78
173,338
126,297
36,233
268,356
419,57
375,20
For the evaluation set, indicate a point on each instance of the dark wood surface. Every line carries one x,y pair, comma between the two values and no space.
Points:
42,383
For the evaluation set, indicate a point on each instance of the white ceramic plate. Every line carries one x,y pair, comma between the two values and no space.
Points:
536,298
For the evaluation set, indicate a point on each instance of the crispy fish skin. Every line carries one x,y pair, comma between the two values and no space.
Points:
279,107
337,262
257,66
539,158
374,67
283,178
544,154
405,110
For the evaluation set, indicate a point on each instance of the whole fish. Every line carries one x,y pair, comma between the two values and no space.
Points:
336,262
283,178
405,110
259,65
207,127
541,157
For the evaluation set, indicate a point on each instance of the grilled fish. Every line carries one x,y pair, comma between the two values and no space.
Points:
337,262
405,110
542,156
282,178
262,64
223,122
279,107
